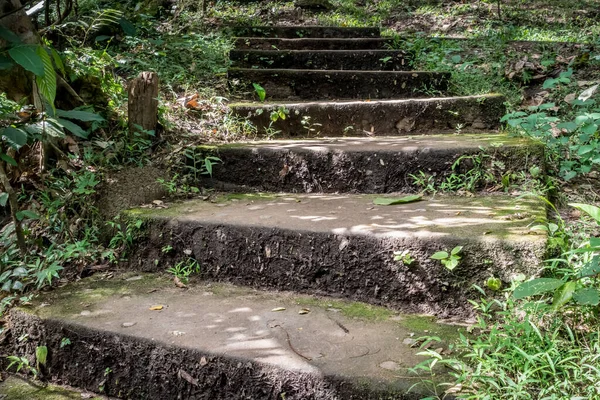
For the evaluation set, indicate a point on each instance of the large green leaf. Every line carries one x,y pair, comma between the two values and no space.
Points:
587,296
592,211
73,128
84,116
15,136
8,159
58,61
21,215
563,295
28,58
128,28
591,268
47,82
536,286
389,201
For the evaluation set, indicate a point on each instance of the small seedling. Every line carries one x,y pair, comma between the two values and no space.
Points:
449,260
65,342
404,257
493,283
260,91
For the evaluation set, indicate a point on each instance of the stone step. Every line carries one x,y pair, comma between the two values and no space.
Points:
306,32
221,342
343,245
297,84
364,165
379,117
357,60
254,43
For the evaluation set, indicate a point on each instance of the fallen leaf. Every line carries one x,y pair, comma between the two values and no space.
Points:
570,97
178,283
184,375
586,94
278,309
389,201
156,308
304,311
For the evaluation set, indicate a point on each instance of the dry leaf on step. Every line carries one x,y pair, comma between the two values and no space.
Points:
156,308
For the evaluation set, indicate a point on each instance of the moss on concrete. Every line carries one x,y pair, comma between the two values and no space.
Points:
77,296
14,388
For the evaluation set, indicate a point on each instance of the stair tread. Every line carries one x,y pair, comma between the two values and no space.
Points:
238,324
333,103
306,31
479,218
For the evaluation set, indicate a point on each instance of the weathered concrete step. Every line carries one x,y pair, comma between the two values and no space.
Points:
220,342
357,60
365,165
254,43
343,245
297,84
306,32
378,118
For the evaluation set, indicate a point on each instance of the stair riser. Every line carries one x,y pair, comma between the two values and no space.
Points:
364,60
303,170
355,266
312,44
306,32
325,85
152,370
447,115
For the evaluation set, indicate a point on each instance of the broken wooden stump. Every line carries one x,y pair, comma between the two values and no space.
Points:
142,103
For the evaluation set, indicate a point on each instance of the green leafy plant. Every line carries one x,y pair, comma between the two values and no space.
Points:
449,260
184,269
64,342
404,257
260,91
572,138
578,285
21,363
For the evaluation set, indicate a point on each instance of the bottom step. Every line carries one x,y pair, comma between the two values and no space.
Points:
141,337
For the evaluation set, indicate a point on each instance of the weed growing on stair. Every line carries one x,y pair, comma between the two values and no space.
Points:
451,259
404,257
568,130
539,340
183,269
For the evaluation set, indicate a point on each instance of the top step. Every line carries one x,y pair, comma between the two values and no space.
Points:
254,43
306,32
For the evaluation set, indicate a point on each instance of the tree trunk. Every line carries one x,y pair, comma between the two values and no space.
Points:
143,103
16,82
14,208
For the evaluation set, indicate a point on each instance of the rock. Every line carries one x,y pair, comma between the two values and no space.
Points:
390,365
315,5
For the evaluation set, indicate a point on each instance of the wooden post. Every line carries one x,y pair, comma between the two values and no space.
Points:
142,104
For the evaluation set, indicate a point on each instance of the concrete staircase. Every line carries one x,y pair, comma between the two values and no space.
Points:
340,317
